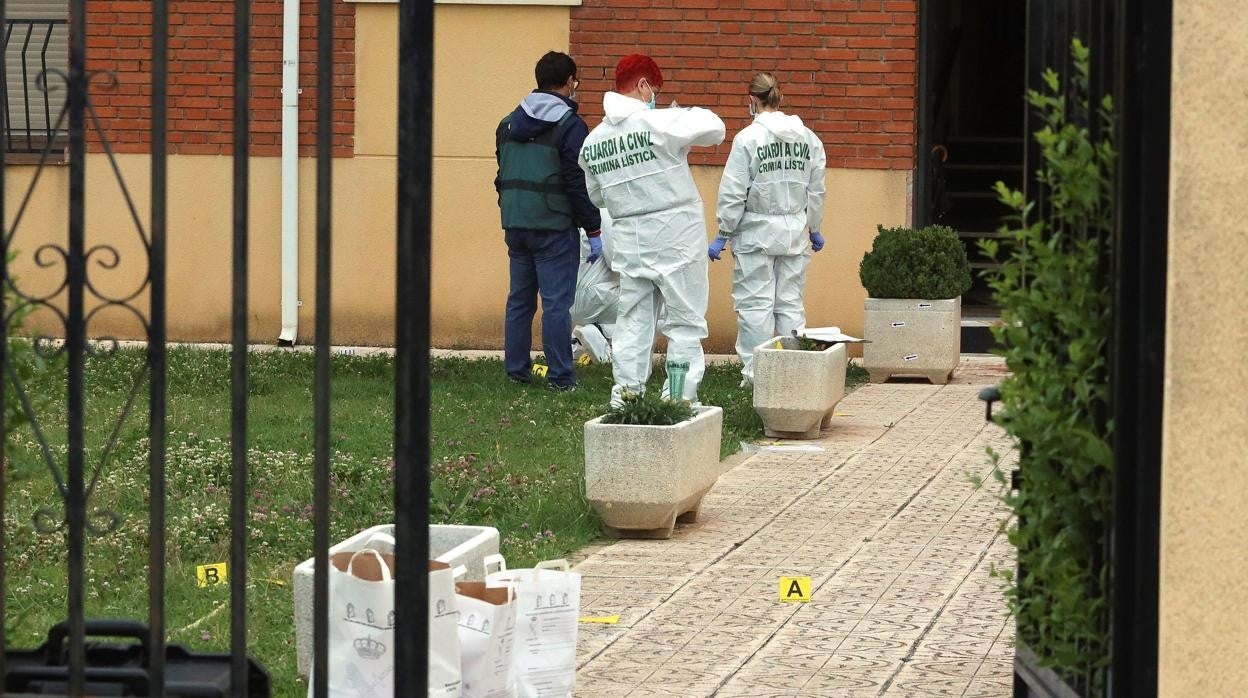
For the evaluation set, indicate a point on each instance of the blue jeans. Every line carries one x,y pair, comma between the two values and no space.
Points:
542,262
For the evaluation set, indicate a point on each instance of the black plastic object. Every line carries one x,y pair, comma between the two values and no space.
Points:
120,669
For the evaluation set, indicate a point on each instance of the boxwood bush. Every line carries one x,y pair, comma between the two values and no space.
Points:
929,263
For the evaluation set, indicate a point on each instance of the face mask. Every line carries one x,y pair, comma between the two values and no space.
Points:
654,95
753,109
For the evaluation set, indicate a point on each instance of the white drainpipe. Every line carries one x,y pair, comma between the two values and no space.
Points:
290,173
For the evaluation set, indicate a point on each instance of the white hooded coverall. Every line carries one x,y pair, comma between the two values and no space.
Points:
636,167
770,196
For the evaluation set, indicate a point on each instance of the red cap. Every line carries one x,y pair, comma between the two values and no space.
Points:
632,68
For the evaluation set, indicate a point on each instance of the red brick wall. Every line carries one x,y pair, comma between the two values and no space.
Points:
201,65
847,67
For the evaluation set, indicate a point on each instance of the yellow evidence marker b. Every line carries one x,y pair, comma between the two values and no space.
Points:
211,575
795,589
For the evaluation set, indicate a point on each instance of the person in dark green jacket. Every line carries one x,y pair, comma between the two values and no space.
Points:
542,197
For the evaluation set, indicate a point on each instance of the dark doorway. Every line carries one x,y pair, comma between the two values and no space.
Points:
972,79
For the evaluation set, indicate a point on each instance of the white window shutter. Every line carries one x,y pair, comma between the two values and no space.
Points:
30,111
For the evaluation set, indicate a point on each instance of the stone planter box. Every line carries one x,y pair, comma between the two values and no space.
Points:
917,337
465,546
796,391
643,479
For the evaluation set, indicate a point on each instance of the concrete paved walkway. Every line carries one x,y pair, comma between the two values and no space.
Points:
898,543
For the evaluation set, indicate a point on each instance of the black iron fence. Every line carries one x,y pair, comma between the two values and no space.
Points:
35,100
73,661
1131,49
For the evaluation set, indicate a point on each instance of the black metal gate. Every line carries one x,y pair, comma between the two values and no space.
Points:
1131,42
68,664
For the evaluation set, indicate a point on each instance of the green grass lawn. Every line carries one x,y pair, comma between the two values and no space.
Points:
504,455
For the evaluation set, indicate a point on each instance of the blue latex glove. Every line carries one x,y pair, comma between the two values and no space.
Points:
716,248
595,250
816,241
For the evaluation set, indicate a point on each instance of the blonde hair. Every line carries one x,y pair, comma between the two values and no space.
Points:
767,90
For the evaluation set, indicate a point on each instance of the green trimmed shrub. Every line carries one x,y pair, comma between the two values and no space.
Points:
929,263
649,409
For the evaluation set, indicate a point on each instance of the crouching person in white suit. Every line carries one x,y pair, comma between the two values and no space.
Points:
594,309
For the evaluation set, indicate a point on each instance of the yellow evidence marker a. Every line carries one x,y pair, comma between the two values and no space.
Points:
540,370
211,575
795,589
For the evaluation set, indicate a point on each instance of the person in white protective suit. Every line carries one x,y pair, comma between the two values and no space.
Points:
636,166
770,204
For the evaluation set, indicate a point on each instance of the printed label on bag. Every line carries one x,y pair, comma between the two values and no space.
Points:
370,618
211,575
795,589
547,610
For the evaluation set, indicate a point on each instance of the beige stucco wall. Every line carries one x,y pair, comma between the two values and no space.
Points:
483,63
483,67
1204,526
199,236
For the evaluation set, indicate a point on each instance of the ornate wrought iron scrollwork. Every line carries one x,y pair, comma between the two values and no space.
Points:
99,521
98,257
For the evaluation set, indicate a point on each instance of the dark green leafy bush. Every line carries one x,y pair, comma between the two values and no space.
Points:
26,362
928,263
649,409
1056,309
21,356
